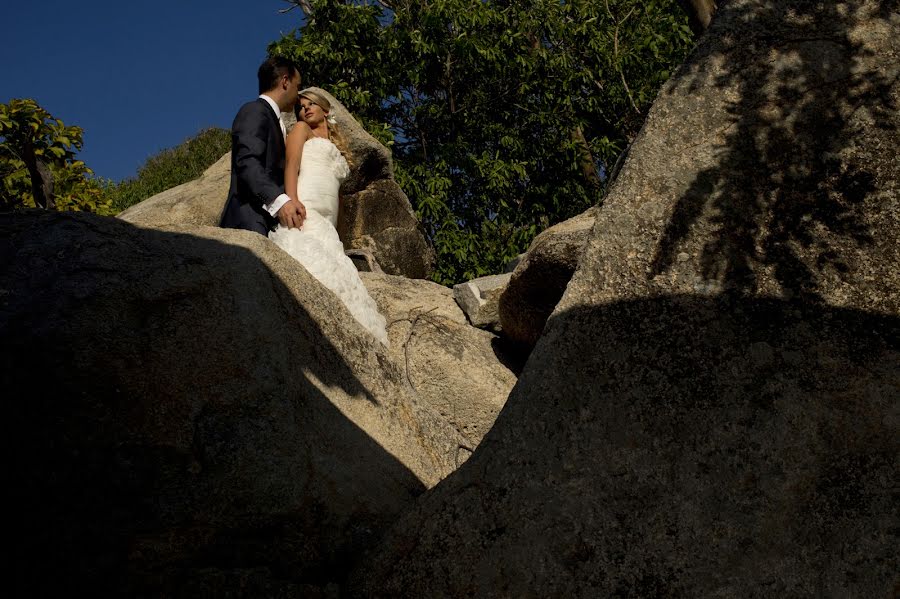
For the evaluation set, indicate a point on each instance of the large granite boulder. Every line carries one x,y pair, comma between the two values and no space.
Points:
712,410
460,371
377,215
194,409
540,278
195,203
380,219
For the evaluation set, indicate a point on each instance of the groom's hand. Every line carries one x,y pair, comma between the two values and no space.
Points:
292,214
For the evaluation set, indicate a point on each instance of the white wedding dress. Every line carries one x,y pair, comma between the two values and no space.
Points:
316,244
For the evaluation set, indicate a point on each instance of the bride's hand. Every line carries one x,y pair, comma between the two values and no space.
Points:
292,214
302,212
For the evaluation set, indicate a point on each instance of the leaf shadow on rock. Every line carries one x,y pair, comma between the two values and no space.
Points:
787,194
167,419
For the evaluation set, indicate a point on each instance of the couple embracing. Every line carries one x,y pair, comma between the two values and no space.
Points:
288,187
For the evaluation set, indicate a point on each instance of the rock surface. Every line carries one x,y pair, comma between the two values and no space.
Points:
458,370
712,409
195,203
364,261
193,408
479,299
380,219
540,278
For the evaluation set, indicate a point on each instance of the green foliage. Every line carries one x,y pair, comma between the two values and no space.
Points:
23,125
504,116
172,167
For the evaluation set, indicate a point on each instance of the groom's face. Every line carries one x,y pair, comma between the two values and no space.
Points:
287,91
293,85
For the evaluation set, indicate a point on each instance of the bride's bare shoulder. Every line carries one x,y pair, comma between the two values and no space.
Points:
300,132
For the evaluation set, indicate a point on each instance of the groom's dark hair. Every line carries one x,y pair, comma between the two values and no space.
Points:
272,70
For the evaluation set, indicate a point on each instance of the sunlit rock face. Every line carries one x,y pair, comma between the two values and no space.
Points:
462,372
712,407
196,203
479,298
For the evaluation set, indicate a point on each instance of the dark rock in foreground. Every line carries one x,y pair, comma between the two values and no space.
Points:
712,409
707,448
187,409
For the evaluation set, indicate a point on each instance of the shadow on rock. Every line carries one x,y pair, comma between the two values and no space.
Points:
711,410
169,421
707,447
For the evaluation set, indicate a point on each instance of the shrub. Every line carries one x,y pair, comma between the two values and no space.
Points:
172,167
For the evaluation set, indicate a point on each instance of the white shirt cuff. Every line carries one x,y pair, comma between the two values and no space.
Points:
276,204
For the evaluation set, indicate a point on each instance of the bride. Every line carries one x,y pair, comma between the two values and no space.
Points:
315,165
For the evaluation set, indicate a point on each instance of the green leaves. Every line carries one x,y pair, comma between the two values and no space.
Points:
171,167
29,132
486,101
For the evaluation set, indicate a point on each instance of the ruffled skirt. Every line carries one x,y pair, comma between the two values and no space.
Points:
317,247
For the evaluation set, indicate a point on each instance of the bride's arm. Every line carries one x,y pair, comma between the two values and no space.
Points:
294,152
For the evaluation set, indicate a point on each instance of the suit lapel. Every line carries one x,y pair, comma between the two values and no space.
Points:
276,122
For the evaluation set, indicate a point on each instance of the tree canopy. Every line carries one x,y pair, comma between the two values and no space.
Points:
38,156
38,150
504,117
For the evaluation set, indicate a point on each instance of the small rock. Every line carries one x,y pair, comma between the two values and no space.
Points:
479,299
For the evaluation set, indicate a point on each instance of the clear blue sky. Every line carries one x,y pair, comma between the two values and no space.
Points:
138,77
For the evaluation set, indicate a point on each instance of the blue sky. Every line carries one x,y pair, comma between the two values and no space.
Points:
137,77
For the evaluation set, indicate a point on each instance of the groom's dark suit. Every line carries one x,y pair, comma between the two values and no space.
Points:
257,168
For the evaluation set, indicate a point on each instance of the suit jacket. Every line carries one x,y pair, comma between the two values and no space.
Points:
257,168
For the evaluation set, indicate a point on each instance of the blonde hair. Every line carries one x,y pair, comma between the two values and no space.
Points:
334,132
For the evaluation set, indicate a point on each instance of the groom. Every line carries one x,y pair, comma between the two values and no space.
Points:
256,200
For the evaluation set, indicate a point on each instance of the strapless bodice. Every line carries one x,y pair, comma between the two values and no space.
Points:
322,170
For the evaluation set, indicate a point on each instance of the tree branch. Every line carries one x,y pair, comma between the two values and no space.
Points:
616,52
588,169
628,92
304,5
41,177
